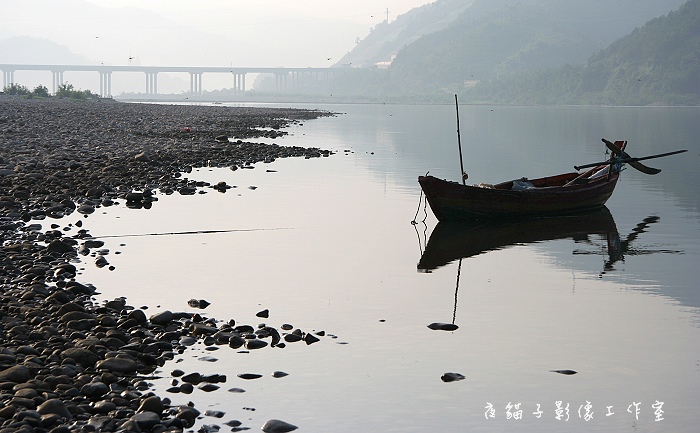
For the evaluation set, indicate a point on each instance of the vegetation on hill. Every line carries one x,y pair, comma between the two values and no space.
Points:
657,64
537,52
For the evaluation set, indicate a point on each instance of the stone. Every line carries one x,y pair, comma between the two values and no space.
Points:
443,326
451,377
16,374
278,426
187,414
208,387
146,420
118,365
151,404
82,356
55,406
236,390
94,390
86,209
162,318
59,246
310,339
255,344
139,316
193,378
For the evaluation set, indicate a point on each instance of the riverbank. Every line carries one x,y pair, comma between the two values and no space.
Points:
68,363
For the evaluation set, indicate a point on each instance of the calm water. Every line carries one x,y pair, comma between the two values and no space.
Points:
328,244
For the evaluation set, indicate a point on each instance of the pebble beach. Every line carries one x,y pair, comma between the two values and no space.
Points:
67,362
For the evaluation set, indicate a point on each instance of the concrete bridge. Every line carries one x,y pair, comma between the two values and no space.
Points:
286,79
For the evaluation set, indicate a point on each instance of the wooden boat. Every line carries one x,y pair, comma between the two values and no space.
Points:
552,195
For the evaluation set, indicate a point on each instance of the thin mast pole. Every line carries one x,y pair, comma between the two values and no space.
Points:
459,143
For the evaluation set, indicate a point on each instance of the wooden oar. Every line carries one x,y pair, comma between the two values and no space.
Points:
629,160
619,151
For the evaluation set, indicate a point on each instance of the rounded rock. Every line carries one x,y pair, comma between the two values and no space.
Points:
278,426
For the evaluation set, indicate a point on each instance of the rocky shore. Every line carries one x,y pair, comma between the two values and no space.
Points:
68,363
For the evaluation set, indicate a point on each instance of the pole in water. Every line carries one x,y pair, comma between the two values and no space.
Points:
463,175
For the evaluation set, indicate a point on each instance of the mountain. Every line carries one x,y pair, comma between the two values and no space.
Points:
496,39
448,42
30,50
534,52
657,64
659,60
385,39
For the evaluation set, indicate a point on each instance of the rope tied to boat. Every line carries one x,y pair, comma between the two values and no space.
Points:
425,210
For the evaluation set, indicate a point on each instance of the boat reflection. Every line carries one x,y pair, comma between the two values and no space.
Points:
451,241
622,247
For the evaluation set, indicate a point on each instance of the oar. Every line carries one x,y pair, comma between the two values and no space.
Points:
629,160
620,153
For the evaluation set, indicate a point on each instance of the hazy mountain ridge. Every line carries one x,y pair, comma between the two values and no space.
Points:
548,52
657,64
493,38
386,39
29,50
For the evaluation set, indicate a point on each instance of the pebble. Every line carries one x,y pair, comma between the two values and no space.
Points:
67,361
277,426
565,372
443,326
452,377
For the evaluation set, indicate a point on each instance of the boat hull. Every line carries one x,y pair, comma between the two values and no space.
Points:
452,201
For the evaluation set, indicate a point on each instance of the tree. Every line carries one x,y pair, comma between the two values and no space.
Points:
15,89
41,91
68,91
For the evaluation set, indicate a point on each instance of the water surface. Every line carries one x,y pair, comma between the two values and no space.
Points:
328,244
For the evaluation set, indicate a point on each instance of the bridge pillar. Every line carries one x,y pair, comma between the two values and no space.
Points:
151,83
8,78
281,81
238,82
106,84
57,80
195,82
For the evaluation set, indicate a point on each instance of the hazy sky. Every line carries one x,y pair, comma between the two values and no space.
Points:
253,33
203,32
362,11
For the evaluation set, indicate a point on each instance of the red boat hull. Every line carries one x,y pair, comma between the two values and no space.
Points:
551,196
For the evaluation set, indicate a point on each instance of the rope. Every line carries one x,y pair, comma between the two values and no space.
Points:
425,210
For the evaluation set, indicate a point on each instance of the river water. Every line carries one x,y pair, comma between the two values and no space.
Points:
328,245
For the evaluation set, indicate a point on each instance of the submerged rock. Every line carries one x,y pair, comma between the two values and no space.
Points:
452,377
277,426
437,326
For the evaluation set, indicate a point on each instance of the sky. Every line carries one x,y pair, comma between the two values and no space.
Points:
295,33
239,33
